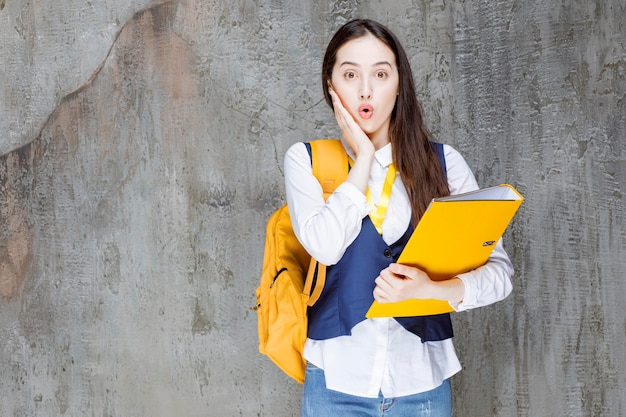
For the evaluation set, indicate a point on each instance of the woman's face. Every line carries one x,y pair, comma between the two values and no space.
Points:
365,76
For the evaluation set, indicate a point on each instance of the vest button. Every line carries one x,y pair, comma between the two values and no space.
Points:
387,253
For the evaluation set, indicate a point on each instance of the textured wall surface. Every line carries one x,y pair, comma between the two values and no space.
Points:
141,150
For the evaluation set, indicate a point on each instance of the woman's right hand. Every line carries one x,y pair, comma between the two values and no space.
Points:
352,133
358,141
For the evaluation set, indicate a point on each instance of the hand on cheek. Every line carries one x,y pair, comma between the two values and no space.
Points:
350,129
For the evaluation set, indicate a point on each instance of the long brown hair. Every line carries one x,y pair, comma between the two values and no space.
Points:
413,155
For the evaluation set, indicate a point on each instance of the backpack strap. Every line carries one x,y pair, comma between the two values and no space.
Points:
330,165
329,161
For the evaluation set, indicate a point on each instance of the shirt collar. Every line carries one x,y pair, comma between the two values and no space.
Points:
383,156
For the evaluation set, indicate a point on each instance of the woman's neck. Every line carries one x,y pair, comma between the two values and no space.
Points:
379,141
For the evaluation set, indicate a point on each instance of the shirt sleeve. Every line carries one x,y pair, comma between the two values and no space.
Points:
324,228
491,282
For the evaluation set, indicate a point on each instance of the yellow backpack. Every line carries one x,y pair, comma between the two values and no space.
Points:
291,280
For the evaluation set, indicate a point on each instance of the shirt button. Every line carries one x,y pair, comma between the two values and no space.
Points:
387,253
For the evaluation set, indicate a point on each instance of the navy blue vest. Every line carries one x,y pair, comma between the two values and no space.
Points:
347,293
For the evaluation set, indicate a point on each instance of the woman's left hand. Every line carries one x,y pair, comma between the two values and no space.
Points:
401,282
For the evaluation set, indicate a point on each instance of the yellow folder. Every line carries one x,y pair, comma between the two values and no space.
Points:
456,234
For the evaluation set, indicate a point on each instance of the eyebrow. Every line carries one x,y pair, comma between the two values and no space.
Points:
354,64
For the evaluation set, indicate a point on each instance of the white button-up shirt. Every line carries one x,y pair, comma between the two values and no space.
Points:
380,355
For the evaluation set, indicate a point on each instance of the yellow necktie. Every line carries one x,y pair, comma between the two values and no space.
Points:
378,212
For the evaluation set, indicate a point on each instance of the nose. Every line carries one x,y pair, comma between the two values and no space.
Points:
365,91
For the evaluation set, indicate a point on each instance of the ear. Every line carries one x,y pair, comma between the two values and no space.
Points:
330,86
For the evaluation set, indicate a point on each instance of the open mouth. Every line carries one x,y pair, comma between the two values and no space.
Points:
366,111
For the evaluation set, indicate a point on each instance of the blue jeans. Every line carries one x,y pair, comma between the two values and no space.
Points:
318,401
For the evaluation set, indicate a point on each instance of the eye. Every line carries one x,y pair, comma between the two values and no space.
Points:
381,74
350,75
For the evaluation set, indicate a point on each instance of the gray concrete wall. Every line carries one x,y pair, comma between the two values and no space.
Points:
141,148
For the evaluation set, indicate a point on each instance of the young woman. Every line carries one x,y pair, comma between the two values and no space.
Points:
358,366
